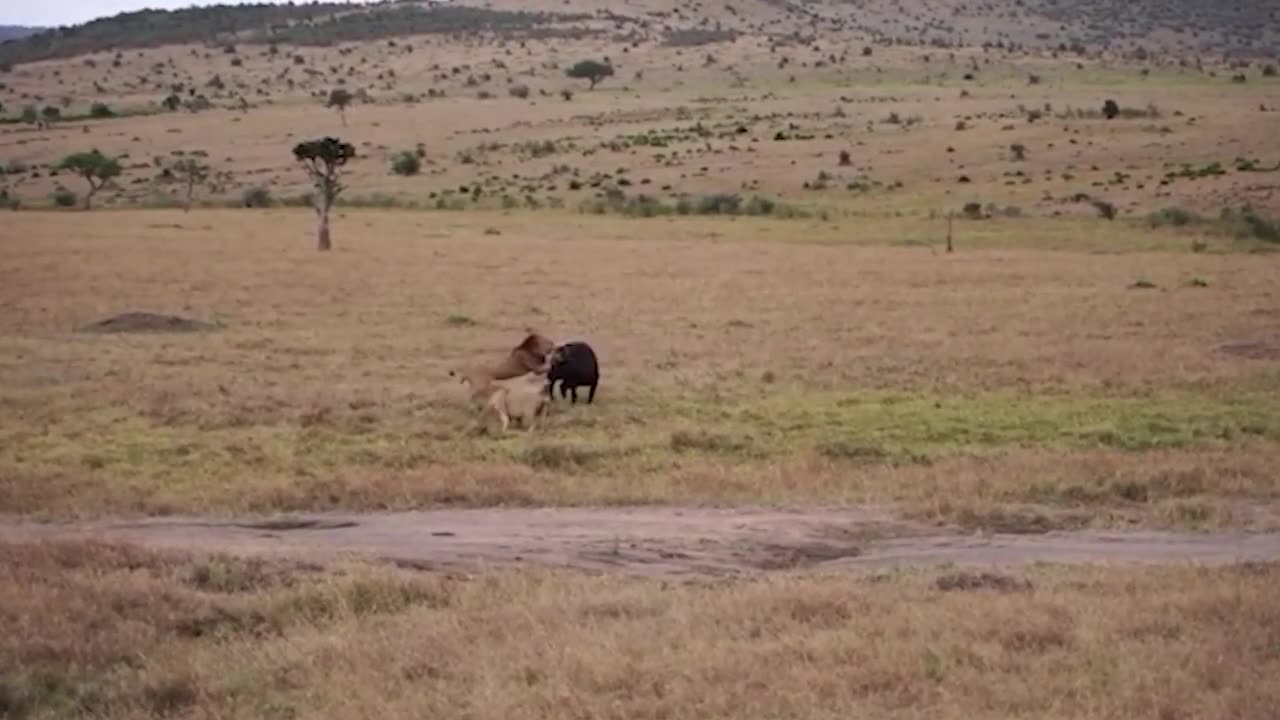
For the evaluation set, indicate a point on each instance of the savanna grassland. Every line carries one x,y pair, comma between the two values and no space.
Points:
748,218
103,630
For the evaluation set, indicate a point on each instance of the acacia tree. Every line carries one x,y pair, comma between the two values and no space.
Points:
339,99
591,70
94,167
191,172
323,160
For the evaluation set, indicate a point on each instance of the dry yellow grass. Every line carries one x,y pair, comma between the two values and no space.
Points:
113,632
742,361
1057,371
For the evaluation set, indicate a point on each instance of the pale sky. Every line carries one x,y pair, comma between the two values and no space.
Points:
74,12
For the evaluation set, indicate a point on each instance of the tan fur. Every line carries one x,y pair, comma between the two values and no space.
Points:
532,355
521,399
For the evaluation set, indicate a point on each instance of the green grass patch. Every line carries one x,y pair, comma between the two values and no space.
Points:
141,464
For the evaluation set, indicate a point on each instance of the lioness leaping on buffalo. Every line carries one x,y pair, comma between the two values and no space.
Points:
532,355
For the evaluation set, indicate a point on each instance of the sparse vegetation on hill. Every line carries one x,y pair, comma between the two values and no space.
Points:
300,24
15,32
152,28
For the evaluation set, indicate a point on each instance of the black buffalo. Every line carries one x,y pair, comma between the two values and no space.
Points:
574,366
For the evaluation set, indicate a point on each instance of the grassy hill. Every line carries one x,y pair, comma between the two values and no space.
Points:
1248,27
311,24
15,32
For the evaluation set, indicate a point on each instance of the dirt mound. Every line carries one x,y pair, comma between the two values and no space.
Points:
133,322
1265,349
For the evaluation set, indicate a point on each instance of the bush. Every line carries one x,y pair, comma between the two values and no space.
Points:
62,197
760,206
1247,223
518,91
1175,216
1269,71
1110,109
406,163
643,206
256,197
1105,209
100,110
718,204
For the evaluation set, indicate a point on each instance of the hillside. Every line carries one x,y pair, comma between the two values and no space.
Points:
15,32
1248,27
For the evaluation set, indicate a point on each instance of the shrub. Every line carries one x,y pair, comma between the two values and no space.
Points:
1019,151
973,210
1269,71
1175,216
62,197
845,158
256,197
1105,209
760,206
100,110
719,204
518,91
406,163
1247,223
1110,109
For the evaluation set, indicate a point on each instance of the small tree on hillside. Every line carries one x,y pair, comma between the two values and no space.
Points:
94,167
339,99
191,172
323,160
593,71
1110,109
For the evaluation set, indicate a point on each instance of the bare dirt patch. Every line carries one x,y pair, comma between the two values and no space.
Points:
141,322
651,541
1262,349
